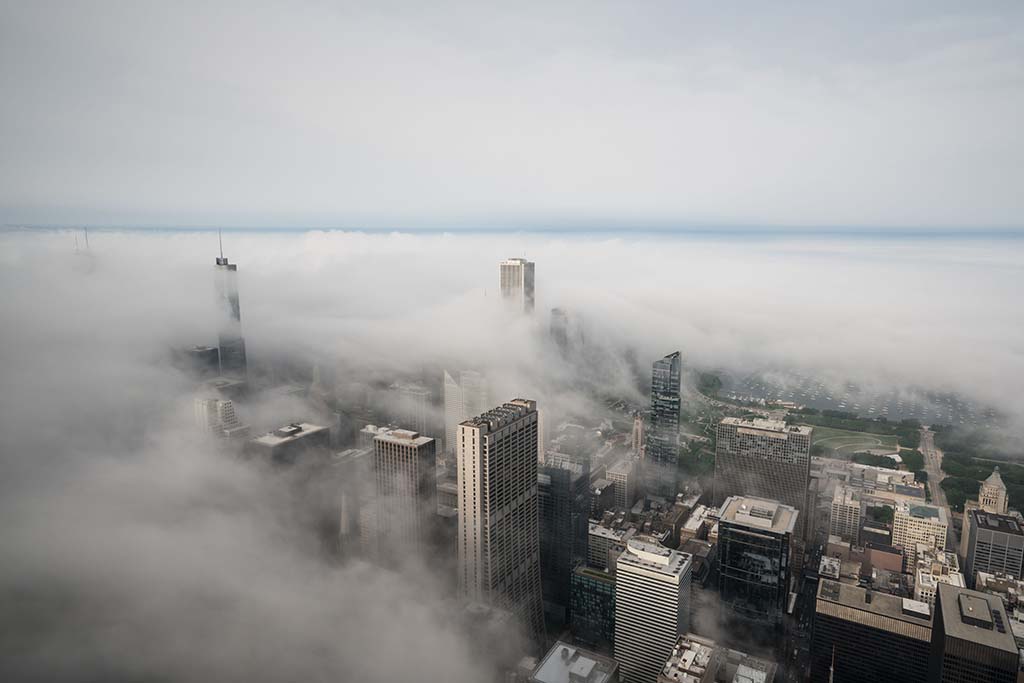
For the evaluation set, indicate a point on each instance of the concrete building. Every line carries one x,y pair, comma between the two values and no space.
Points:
755,554
992,494
971,639
516,281
935,567
661,456
286,445
695,659
406,490
217,417
845,516
563,490
862,636
697,524
652,607
995,544
230,341
915,523
765,459
622,475
565,663
499,545
462,400
592,607
603,540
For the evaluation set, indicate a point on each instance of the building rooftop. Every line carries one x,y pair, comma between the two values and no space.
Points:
654,557
759,513
975,617
994,522
612,534
404,437
496,418
622,468
290,432
776,426
565,663
693,660
927,512
886,612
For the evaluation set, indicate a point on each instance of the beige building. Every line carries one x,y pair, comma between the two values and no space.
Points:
935,567
914,524
622,475
845,517
498,537
404,472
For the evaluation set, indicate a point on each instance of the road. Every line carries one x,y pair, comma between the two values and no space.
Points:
933,466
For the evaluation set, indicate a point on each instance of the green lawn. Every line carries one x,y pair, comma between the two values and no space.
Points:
845,441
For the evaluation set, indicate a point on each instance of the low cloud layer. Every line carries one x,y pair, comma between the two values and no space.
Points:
133,550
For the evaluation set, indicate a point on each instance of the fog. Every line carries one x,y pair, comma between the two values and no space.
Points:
132,549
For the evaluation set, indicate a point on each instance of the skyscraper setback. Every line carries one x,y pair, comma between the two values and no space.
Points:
498,543
230,340
662,453
516,283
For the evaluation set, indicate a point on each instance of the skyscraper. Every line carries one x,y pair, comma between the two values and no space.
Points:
404,472
564,509
913,524
217,417
516,283
592,606
462,399
662,454
498,546
971,639
652,607
755,539
230,340
766,459
845,516
995,544
622,475
410,407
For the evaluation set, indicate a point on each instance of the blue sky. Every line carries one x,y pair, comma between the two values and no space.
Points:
572,115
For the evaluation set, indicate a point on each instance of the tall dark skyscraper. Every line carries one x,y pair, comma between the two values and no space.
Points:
564,510
972,641
661,457
230,340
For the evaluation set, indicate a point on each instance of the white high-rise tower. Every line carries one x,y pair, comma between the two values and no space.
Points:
516,283
462,399
498,543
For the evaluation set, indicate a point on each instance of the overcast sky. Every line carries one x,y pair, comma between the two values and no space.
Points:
570,114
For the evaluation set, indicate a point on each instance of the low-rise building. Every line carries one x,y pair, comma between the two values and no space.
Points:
695,659
565,663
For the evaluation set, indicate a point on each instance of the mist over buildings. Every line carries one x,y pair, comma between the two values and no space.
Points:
135,550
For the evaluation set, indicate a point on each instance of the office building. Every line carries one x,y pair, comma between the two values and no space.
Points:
217,417
915,524
603,540
289,444
992,494
652,607
565,663
231,343
696,659
845,516
661,456
499,548
462,400
592,607
563,491
622,475
995,544
935,567
406,493
863,636
765,459
971,639
516,284
202,362
755,538
410,407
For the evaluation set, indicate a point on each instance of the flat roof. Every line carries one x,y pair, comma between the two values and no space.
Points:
879,610
654,557
622,467
993,522
496,418
975,617
765,425
564,663
596,529
759,513
404,437
289,432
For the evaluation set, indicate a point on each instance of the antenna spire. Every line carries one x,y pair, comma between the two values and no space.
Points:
87,239
221,243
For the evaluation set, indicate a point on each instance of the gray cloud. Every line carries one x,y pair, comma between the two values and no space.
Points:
580,114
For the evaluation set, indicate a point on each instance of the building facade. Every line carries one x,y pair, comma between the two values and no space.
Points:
498,539
652,607
563,491
971,639
622,475
995,544
592,607
516,281
462,400
231,344
845,515
765,459
915,524
406,490
755,541
661,456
